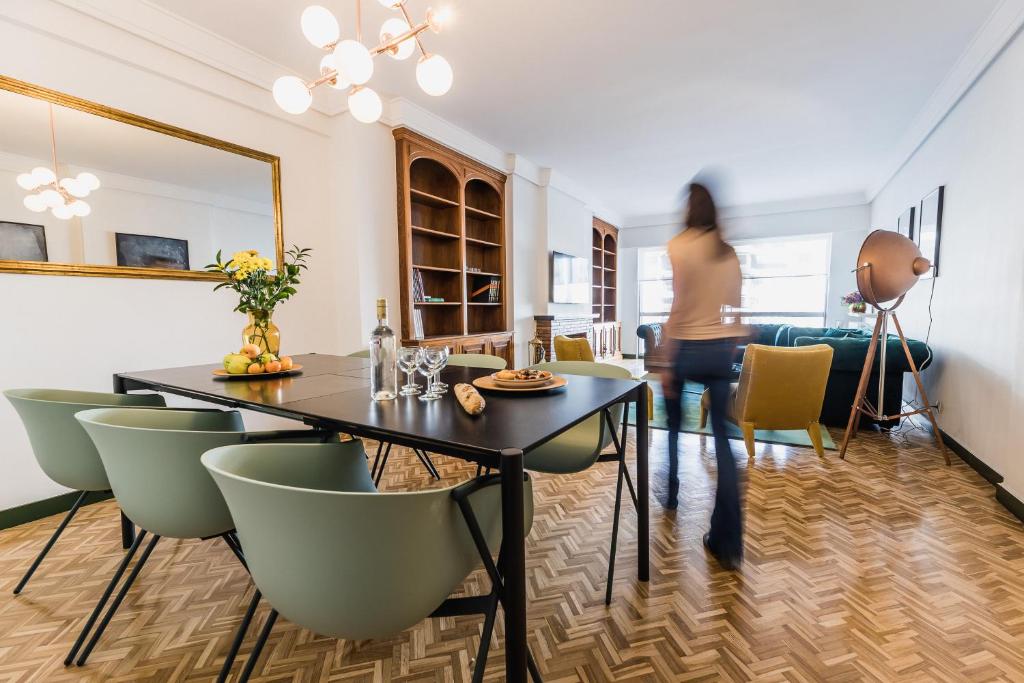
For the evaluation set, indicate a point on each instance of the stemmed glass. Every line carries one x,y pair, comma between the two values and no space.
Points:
427,363
440,386
408,360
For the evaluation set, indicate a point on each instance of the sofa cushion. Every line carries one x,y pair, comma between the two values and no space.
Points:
852,351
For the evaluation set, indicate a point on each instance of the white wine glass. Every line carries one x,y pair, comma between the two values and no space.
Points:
425,364
408,360
441,387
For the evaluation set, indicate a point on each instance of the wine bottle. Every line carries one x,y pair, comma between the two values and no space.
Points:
383,357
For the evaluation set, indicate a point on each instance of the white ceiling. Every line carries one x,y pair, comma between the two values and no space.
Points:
792,98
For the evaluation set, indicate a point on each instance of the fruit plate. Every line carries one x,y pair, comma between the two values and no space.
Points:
224,374
488,384
521,383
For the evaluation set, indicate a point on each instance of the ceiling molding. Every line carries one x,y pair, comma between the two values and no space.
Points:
988,43
802,205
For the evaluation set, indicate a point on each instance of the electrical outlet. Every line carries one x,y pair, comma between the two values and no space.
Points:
938,407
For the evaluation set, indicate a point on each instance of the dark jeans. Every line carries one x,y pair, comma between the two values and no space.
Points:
710,363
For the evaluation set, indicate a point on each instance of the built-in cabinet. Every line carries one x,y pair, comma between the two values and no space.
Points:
453,240
607,333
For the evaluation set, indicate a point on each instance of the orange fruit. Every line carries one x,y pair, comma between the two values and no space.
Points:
255,369
273,366
286,362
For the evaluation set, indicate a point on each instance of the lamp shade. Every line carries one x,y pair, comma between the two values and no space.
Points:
888,266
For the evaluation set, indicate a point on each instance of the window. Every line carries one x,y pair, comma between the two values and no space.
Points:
785,280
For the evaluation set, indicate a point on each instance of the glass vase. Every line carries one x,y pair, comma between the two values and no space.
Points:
859,308
262,332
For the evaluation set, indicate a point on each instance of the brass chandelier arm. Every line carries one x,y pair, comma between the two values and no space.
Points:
408,20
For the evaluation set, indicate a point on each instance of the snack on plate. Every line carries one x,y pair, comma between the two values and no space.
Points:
524,375
470,399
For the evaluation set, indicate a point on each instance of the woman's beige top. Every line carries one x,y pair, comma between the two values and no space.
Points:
705,277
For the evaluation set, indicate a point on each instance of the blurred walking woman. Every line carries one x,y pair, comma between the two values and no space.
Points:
705,278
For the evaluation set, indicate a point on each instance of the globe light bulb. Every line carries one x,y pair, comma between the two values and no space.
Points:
89,181
434,74
391,29
43,175
34,202
51,198
75,187
319,26
437,19
329,64
80,208
292,95
365,105
63,212
391,4
354,61
26,181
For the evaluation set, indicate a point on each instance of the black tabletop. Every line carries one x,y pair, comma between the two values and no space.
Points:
333,391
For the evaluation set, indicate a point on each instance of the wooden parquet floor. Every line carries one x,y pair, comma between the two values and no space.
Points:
887,567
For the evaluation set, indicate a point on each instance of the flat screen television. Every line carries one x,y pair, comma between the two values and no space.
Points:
570,279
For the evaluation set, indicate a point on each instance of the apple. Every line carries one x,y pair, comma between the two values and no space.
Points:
236,364
255,369
273,366
250,351
286,362
266,358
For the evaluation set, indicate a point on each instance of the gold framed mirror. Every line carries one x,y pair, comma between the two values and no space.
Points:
87,189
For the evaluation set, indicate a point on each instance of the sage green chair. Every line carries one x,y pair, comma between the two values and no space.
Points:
579,447
64,452
152,458
363,353
477,360
346,561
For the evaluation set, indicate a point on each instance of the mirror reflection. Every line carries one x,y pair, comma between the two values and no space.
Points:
79,188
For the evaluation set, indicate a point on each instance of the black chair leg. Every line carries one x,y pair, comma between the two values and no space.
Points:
49,544
427,463
117,600
615,530
383,463
485,639
250,663
531,665
236,645
232,542
106,596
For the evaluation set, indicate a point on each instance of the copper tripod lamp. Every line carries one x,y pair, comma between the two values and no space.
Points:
888,266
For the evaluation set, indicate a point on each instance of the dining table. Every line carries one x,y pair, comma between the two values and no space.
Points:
332,393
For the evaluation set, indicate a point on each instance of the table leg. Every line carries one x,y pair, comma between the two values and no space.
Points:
513,551
127,528
642,486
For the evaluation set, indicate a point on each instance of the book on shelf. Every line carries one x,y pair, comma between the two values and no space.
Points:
417,324
417,286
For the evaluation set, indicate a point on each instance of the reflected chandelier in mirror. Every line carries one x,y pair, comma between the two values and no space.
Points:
161,200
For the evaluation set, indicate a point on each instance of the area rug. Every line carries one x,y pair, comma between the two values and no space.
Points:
691,420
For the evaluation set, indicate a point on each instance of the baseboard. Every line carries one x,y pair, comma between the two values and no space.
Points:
30,512
975,463
630,356
1010,502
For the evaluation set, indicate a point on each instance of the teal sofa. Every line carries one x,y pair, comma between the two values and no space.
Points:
850,350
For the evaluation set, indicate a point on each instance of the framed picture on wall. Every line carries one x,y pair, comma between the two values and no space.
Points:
929,231
905,225
22,242
149,251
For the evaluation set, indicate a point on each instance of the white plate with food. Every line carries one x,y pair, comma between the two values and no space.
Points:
521,379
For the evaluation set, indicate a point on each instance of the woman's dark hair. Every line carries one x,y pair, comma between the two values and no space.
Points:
700,208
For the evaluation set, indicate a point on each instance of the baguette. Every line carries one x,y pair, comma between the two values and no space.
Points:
470,399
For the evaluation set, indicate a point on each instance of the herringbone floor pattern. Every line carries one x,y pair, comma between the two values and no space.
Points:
887,567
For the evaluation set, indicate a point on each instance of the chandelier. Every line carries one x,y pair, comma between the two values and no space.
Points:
63,197
348,64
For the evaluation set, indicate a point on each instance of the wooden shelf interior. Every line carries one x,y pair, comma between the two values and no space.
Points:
604,278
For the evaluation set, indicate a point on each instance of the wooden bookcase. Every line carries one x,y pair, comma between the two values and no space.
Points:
453,238
607,336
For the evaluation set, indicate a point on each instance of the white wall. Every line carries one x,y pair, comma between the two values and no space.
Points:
529,260
846,225
569,224
74,332
978,373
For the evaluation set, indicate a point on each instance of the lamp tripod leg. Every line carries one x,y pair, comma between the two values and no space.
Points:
920,388
862,386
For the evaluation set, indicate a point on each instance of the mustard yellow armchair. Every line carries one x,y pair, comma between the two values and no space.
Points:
572,348
780,388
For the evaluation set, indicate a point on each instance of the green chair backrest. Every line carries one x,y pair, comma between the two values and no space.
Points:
358,565
592,369
152,460
477,360
364,353
65,452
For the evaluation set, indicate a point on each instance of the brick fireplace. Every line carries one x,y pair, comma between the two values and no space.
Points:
550,326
